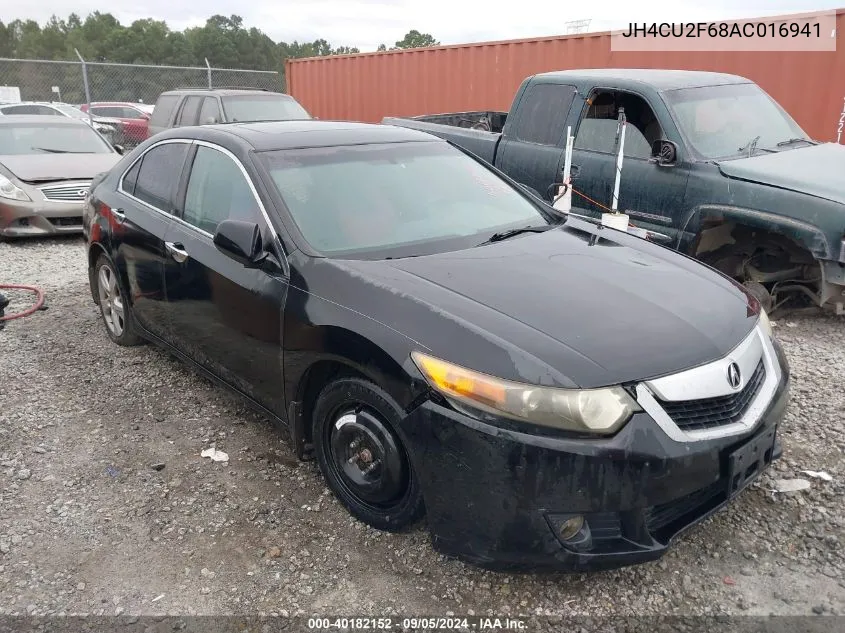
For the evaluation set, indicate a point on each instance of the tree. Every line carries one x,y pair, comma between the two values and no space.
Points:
415,39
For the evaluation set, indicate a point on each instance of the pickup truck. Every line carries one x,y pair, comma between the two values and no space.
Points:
711,161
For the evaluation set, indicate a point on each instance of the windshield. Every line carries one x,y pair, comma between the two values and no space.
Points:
724,121
263,108
51,139
395,199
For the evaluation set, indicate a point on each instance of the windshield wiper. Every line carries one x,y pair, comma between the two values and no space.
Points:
503,235
751,147
796,140
53,150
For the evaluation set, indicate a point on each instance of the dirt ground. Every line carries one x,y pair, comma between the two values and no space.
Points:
106,506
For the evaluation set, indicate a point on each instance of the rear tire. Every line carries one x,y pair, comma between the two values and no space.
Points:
114,304
362,457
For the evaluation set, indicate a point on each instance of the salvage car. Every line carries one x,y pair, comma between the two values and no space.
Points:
711,161
46,167
109,127
134,118
548,392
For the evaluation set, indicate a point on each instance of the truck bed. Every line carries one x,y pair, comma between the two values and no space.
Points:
478,132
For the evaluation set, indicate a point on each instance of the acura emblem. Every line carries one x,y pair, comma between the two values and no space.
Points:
734,377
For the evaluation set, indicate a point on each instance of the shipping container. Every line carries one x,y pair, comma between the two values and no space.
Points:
810,85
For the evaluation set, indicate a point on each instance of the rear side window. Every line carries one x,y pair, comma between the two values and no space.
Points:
543,113
160,170
188,115
163,110
23,109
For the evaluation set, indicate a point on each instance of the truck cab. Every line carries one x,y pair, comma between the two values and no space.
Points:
710,160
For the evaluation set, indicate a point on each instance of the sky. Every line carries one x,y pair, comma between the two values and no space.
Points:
367,23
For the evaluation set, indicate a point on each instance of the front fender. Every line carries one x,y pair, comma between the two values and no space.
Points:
802,233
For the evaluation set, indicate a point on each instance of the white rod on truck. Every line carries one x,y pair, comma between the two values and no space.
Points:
615,203
564,202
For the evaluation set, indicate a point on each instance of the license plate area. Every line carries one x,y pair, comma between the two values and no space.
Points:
748,461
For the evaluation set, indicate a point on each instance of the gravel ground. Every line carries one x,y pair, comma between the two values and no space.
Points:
106,506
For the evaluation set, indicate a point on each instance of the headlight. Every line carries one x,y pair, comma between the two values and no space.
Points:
600,411
765,324
10,190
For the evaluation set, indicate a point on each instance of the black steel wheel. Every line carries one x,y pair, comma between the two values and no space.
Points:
362,457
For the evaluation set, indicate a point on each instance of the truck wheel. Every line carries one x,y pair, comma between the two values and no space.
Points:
759,292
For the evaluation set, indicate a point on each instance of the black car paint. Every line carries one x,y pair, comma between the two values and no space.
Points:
546,308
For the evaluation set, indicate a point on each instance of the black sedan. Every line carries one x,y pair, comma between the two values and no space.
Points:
547,392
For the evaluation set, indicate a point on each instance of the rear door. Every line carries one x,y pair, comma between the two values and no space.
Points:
225,316
532,152
189,112
142,212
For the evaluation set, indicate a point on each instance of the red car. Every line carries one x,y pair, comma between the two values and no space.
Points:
135,119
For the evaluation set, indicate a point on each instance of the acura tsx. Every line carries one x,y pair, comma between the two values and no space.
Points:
547,392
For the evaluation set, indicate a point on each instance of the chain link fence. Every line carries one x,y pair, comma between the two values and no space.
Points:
42,80
77,82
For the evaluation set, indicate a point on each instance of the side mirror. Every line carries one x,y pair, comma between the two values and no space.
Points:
241,241
118,148
664,153
210,120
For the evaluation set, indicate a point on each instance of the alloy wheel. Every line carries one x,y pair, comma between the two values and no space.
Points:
111,300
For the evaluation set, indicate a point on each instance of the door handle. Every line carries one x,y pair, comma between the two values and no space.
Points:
118,214
177,251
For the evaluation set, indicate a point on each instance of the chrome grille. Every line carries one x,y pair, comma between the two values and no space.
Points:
706,413
66,192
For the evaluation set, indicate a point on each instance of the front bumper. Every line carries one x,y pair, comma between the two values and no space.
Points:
20,218
496,497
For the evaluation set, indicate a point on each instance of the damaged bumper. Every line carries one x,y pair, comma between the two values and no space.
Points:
499,498
34,219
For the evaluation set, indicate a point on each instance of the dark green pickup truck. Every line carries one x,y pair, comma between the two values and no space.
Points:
711,161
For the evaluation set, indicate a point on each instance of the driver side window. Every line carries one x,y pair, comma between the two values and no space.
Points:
217,191
597,131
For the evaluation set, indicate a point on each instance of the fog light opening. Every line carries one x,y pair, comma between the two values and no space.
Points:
570,528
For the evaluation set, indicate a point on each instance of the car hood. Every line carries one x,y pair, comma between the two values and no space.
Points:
815,170
46,167
587,314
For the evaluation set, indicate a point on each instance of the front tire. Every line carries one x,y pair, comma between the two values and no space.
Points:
114,305
362,457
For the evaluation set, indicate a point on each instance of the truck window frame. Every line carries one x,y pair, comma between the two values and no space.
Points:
591,93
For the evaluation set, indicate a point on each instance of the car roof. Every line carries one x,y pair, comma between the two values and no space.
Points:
301,134
224,92
43,119
660,79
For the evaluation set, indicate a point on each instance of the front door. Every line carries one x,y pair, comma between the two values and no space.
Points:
222,314
652,195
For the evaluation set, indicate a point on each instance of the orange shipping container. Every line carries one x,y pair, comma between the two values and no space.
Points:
485,76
